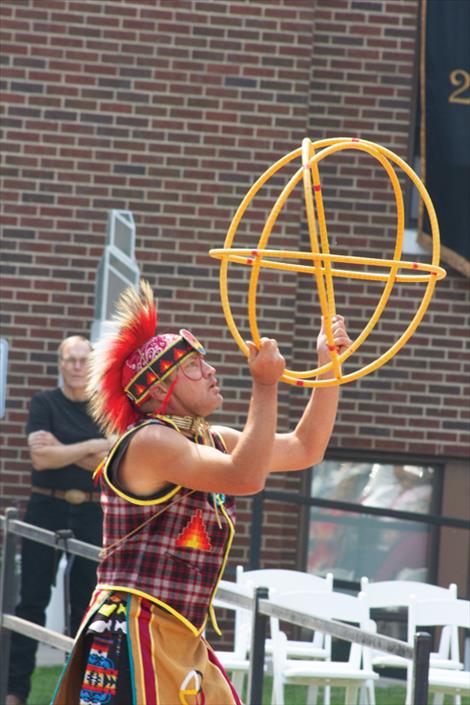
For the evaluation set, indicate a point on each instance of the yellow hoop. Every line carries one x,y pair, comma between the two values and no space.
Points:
322,260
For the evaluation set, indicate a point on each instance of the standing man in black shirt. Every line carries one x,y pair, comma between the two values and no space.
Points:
66,446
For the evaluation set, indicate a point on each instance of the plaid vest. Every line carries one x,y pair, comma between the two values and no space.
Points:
171,548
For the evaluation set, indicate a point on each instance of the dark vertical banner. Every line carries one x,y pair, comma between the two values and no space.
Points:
445,125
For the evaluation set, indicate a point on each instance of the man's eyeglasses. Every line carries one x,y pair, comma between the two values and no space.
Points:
194,368
73,361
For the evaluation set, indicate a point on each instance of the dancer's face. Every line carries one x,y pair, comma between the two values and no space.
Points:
196,392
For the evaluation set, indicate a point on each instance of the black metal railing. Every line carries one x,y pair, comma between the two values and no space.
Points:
259,605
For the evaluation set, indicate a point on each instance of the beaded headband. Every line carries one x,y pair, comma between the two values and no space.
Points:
171,350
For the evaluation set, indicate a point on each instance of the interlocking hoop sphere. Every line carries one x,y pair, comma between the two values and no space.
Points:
321,262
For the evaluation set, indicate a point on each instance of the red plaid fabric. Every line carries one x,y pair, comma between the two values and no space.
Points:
177,558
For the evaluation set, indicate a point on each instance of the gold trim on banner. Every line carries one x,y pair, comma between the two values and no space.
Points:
422,100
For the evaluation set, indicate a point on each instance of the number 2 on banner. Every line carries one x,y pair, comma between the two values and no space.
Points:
461,79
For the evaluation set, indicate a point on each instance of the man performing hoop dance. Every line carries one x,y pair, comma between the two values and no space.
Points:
168,488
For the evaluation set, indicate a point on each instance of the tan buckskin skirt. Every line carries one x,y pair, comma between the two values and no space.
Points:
168,664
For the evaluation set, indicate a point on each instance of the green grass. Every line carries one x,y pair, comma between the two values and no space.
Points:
45,679
43,684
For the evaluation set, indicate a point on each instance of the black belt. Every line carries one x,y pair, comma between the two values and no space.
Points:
70,496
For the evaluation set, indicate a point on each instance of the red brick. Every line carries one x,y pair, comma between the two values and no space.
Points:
182,106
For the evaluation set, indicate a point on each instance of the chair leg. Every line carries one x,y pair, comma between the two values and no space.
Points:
370,692
238,680
327,695
409,686
312,694
277,696
350,696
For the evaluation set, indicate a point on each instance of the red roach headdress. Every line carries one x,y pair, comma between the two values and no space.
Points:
127,363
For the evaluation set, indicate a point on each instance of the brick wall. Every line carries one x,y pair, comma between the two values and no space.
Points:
171,110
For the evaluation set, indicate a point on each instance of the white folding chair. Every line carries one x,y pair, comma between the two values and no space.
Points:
353,674
236,661
399,593
453,614
390,594
281,581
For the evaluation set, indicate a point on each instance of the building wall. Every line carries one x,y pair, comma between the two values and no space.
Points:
172,110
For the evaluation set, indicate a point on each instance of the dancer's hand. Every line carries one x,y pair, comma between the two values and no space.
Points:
341,339
266,363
